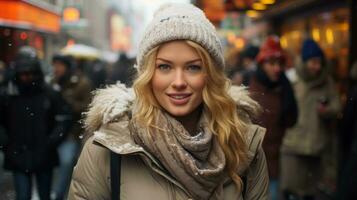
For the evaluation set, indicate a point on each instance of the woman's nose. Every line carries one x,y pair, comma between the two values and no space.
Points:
179,81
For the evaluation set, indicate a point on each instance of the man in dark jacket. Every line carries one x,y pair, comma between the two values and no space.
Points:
33,121
75,88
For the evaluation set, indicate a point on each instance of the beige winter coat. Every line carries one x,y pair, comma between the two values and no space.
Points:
109,117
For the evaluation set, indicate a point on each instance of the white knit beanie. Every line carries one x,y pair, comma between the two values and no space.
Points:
175,21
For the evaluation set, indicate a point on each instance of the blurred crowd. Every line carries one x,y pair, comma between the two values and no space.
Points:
310,143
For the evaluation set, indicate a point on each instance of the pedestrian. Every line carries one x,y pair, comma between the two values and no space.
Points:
348,174
270,87
2,73
179,136
249,63
75,88
305,144
33,121
123,71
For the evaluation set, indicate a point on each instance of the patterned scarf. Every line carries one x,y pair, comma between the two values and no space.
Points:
197,162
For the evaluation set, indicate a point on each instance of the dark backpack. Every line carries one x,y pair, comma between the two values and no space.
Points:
115,174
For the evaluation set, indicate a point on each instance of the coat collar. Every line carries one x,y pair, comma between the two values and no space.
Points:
109,115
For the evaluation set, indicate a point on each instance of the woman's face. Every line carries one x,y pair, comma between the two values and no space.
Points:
273,69
179,78
313,66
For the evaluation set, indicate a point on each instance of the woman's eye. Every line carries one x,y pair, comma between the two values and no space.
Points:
164,67
194,68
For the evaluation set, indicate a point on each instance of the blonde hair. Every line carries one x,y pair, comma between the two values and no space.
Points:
228,128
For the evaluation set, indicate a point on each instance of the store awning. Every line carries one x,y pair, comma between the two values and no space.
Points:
20,14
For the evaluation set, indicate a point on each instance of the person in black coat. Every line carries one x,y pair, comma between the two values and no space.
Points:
33,121
348,165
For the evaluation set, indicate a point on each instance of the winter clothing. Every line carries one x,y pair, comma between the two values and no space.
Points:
310,49
23,184
43,118
66,60
271,49
277,99
96,71
305,144
280,112
348,157
250,52
309,136
176,21
202,172
145,174
33,121
248,63
123,71
76,90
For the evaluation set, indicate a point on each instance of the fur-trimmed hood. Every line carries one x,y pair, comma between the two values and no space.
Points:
109,115
115,101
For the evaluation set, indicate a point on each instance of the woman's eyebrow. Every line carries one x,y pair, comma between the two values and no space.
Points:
190,61
195,60
168,61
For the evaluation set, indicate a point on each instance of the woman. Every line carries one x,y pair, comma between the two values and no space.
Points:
308,147
181,138
272,90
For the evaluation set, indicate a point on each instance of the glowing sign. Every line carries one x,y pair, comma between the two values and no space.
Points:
71,14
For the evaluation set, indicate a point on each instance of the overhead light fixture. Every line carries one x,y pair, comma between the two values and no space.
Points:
252,14
284,42
267,2
259,6
316,34
329,36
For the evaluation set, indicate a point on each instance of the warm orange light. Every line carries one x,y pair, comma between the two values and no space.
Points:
70,42
252,14
20,13
259,6
344,26
329,36
295,34
231,37
239,43
267,2
316,34
284,42
71,14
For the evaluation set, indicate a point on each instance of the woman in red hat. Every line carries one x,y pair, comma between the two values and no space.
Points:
270,87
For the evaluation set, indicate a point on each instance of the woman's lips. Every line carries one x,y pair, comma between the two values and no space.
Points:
179,99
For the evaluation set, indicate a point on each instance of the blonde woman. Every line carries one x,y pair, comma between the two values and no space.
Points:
182,132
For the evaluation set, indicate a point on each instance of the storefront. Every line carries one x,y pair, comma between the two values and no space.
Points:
325,21
25,23
330,28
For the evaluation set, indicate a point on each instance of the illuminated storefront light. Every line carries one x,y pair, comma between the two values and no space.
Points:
239,43
252,14
71,14
316,34
259,6
284,42
267,2
329,36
